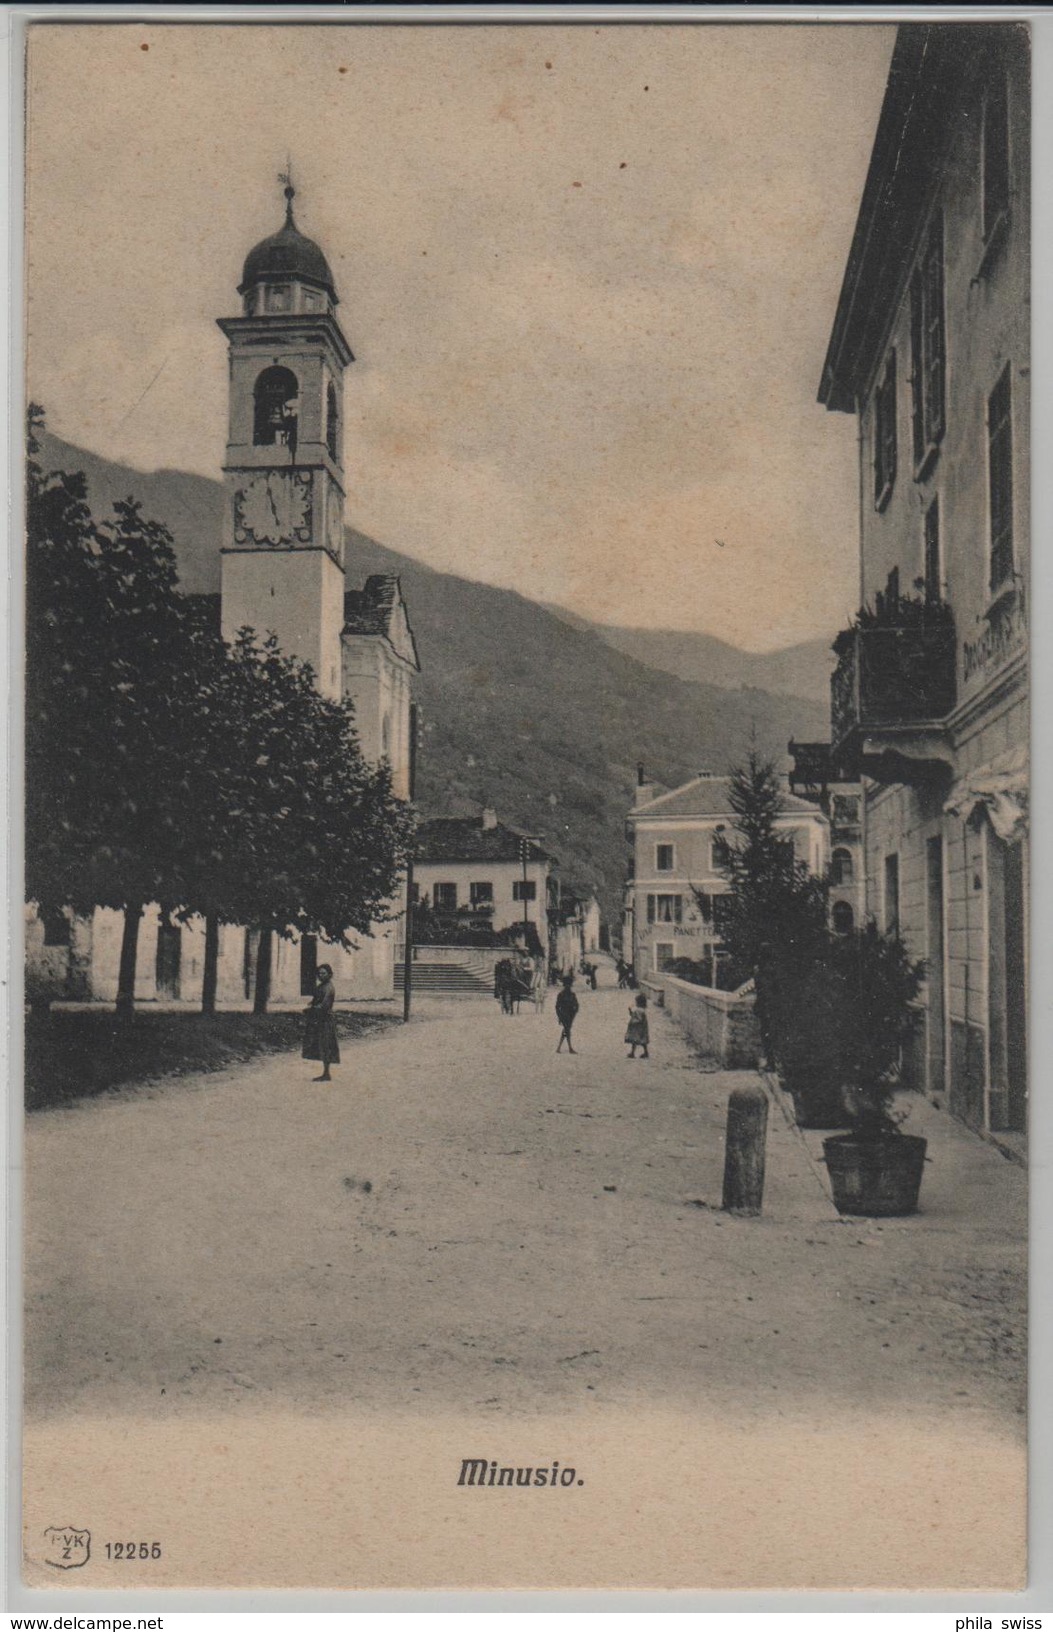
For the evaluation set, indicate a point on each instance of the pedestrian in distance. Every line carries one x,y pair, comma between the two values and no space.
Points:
320,1039
592,977
637,1033
566,1013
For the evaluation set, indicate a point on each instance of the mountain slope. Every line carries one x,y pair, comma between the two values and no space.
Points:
798,671
520,709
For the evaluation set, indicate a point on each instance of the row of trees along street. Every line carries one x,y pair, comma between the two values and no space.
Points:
165,765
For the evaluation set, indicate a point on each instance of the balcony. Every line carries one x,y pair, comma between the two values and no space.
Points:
891,692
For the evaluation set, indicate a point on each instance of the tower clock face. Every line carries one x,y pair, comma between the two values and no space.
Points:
274,507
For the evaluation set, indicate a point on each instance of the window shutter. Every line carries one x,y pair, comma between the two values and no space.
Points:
935,361
1000,480
995,156
917,361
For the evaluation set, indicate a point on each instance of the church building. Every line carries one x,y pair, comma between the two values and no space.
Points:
284,573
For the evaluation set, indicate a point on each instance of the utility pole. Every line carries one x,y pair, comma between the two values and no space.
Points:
407,955
524,851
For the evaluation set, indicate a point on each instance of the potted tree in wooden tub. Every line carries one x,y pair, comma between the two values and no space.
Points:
875,1169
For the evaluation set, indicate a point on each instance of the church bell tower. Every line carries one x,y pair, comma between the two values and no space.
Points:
283,530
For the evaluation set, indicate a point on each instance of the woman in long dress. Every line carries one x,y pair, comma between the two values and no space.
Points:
320,1039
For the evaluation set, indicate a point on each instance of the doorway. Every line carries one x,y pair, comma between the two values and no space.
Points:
308,965
1015,987
1007,984
936,965
168,961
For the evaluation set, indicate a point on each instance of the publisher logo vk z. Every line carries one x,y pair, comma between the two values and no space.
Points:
66,1548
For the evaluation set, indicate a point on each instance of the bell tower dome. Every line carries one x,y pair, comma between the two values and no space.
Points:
283,530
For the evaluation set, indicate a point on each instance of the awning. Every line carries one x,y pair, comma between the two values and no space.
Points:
1001,788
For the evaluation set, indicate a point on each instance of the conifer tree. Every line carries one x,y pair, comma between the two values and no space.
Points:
774,918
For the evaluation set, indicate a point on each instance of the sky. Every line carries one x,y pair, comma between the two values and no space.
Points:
588,274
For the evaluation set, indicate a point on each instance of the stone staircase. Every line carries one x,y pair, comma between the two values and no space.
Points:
470,978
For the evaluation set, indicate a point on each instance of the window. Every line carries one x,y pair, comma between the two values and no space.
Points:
665,909
664,858
57,928
892,591
928,349
446,898
842,918
841,867
892,895
995,157
481,893
933,562
1000,481
274,408
664,954
279,298
718,849
524,889
845,810
885,434
331,430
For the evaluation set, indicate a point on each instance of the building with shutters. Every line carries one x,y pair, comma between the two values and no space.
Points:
479,873
929,709
673,901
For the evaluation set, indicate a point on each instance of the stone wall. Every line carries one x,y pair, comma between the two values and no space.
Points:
721,1024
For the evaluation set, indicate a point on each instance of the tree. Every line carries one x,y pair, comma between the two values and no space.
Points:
292,830
106,672
774,916
164,765
875,984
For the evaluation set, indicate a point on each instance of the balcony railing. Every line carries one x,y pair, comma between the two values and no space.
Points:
891,675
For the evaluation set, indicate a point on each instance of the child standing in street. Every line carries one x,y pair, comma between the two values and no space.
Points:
637,1034
566,1013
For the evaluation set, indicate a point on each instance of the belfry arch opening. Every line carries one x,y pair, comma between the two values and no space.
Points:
274,408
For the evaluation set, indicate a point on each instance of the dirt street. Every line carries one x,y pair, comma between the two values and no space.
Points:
465,1221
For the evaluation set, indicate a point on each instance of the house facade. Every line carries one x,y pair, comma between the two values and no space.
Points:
284,573
479,873
813,777
672,907
929,703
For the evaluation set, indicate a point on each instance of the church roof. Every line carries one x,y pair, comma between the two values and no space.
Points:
287,254
465,838
378,609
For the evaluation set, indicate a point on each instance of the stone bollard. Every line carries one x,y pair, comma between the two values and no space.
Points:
744,1151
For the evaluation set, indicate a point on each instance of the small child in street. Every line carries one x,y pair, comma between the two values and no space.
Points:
637,1034
566,1013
